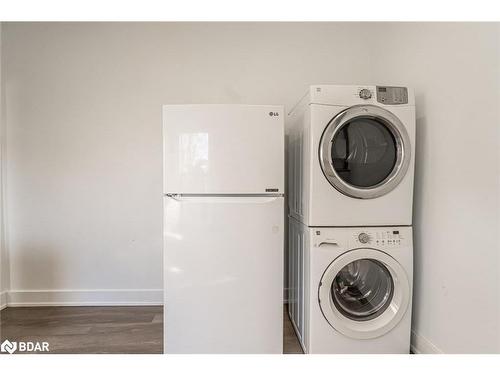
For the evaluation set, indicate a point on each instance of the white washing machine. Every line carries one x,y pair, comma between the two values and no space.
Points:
351,156
350,288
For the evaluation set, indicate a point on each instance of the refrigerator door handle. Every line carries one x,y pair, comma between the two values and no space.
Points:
173,196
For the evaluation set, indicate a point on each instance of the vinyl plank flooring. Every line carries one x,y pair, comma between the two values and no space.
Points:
117,329
122,329
291,343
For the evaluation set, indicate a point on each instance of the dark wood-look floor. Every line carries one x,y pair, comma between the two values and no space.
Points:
127,329
291,343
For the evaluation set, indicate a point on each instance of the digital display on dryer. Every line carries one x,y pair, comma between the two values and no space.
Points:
392,95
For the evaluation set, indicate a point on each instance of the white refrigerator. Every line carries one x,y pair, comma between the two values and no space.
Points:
223,228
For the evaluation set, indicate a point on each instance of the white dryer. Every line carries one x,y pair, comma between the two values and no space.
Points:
351,156
350,288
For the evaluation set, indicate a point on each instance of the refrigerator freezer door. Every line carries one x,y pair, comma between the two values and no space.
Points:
217,149
223,275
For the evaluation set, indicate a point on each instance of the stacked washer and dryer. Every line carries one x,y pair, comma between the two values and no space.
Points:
350,183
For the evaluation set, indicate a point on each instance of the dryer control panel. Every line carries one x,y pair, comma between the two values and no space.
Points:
379,238
392,95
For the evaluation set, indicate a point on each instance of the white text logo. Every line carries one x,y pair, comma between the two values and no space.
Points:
21,346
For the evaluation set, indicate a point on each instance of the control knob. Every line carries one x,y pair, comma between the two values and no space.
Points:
365,94
364,237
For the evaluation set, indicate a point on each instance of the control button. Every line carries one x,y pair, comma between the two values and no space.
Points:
365,94
364,238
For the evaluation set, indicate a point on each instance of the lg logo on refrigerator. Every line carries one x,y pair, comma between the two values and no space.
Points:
273,114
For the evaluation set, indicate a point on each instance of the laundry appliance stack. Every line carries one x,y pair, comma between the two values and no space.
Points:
350,192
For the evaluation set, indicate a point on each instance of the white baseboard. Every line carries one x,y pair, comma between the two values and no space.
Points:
93,297
3,300
421,345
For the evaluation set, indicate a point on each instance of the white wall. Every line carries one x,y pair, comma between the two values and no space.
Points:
4,261
84,135
455,70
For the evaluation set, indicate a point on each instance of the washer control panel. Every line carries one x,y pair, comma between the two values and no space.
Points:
392,95
379,238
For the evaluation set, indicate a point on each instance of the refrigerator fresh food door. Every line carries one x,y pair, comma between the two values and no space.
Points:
219,149
223,274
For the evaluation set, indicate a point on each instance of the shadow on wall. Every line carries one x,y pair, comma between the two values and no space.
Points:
285,226
418,196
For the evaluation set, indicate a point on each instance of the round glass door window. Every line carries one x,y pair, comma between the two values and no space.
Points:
363,152
362,290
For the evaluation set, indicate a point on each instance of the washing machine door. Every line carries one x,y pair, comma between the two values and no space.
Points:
365,151
364,293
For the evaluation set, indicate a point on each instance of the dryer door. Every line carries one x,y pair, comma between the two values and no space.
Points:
365,151
364,293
